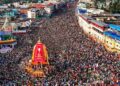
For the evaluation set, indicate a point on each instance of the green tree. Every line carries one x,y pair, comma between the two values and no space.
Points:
114,7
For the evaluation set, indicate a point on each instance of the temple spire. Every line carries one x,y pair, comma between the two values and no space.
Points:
39,40
6,23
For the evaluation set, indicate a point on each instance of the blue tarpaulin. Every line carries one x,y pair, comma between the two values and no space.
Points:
112,35
114,27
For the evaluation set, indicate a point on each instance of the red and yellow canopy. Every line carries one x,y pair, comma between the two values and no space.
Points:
40,55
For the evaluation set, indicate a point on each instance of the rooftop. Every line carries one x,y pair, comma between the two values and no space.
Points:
114,27
112,35
102,24
87,17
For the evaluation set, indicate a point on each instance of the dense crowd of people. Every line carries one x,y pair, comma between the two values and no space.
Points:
75,60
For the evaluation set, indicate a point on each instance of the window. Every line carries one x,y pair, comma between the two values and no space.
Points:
97,30
10,46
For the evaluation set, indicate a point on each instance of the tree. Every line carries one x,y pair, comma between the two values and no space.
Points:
114,7
111,7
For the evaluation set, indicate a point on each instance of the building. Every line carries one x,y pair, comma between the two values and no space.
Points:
106,34
31,13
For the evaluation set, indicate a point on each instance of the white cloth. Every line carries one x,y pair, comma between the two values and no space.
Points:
5,50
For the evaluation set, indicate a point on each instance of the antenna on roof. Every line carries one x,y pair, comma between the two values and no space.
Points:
6,23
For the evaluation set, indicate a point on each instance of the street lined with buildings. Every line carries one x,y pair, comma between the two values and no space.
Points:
74,58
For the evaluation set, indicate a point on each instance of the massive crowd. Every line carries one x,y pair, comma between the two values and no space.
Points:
75,60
